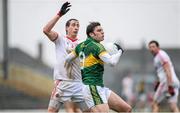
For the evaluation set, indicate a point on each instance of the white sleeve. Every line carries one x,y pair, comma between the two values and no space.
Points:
111,59
70,57
163,57
59,39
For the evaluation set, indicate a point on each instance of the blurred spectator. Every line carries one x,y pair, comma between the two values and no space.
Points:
141,95
127,89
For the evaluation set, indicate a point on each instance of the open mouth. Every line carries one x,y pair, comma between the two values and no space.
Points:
75,32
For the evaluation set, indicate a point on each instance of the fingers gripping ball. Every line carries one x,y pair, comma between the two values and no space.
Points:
119,47
111,48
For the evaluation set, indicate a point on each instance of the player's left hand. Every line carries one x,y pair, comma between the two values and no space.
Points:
171,90
64,9
119,47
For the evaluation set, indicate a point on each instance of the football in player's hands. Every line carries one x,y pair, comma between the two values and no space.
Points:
111,48
119,47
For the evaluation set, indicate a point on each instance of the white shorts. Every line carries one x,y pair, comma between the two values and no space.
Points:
162,93
66,91
95,95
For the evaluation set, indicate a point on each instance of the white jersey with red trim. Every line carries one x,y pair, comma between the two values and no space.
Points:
63,46
159,60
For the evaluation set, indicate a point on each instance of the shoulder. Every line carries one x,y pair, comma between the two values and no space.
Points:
162,53
78,47
97,45
97,48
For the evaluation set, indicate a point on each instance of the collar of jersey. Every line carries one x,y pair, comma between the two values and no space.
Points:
91,39
72,39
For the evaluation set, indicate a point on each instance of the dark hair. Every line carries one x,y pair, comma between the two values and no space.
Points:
91,26
69,21
155,42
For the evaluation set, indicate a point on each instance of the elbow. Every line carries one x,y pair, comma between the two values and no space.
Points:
45,31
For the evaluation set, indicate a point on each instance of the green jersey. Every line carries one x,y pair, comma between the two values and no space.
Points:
92,67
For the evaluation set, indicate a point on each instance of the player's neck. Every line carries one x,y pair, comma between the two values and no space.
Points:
157,51
93,39
72,38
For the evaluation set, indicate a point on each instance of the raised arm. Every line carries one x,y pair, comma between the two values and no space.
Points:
52,35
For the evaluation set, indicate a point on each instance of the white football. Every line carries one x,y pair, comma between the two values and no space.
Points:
111,48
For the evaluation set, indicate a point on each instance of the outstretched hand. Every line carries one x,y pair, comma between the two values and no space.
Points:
64,9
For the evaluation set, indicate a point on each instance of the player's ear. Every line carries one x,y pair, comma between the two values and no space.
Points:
91,34
66,29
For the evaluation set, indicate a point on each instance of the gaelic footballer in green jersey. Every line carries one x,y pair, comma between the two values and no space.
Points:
92,57
92,67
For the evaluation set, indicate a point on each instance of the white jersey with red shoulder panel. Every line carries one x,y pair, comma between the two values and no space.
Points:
159,60
63,46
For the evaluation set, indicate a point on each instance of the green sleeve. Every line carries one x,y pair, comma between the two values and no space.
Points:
77,50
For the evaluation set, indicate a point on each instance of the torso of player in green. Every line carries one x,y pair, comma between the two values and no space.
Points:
92,67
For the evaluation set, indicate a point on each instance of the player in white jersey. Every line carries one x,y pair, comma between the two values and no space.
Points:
68,83
168,82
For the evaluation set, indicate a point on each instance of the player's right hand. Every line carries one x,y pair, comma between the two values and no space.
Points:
171,90
119,47
64,9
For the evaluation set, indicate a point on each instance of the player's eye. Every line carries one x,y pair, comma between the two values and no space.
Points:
73,24
100,30
77,25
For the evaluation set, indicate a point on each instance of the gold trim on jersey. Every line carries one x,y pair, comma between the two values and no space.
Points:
90,61
103,53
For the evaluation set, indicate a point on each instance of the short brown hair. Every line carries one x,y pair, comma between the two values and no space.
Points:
68,22
91,26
